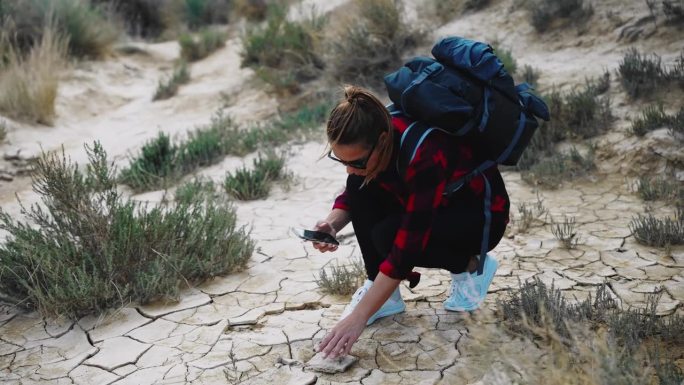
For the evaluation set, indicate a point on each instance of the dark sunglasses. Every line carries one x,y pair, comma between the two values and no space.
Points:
358,163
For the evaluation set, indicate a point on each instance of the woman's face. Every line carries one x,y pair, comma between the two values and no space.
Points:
357,154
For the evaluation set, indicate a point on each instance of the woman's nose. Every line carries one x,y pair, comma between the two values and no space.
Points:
352,170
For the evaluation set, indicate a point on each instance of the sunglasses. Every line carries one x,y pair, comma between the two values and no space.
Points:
361,163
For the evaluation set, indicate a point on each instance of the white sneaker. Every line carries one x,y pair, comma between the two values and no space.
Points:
468,291
394,304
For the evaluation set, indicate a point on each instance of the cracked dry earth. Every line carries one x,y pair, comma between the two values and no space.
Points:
249,327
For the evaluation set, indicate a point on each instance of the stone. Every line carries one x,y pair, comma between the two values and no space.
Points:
116,324
188,299
330,365
117,352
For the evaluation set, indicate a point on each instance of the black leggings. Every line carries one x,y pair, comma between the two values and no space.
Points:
456,234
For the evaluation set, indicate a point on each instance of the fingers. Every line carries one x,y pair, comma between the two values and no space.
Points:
328,344
340,347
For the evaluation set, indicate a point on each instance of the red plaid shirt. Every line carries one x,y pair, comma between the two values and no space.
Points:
440,160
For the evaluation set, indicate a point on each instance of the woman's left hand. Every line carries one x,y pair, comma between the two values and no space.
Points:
339,341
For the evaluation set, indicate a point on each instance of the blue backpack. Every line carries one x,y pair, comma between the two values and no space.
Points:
466,92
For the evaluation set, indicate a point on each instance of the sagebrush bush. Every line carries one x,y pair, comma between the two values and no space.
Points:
169,87
650,189
341,279
543,13
284,53
255,183
200,45
370,41
196,189
552,171
652,231
29,82
641,75
87,248
652,117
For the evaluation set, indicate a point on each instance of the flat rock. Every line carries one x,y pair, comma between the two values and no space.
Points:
329,365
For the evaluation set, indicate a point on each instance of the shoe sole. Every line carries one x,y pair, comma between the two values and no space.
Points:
385,313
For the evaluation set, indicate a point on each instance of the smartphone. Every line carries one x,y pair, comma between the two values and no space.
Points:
315,236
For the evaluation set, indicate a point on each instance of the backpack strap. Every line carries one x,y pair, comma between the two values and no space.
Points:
411,139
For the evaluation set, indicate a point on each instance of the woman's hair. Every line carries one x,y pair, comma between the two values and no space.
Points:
360,118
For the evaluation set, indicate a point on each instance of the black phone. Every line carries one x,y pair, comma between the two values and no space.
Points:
315,236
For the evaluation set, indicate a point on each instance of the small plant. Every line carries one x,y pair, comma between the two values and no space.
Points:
506,57
676,124
155,163
86,248
565,232
530,75
194,190
651,231
201,45
342,280
528,214
371,40
3,131
652,117
585,113
28,85
168,87
245,184
544,12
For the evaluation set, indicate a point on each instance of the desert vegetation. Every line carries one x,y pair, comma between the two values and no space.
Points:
87,248
255,183
169,86
341,279
641,75
594,341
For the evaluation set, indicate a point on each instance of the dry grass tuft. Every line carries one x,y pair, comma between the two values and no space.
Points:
28,83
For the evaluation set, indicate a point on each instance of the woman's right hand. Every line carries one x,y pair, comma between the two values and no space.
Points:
326,228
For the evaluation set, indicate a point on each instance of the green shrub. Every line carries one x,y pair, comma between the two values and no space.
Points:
372,40
201,45
28,83
284,53
651,231
642,75
88,32
656,188
342,280
245,184
86,248
3,131
169,87
652,118
506,57
544,12
676,124
195,190
155,163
